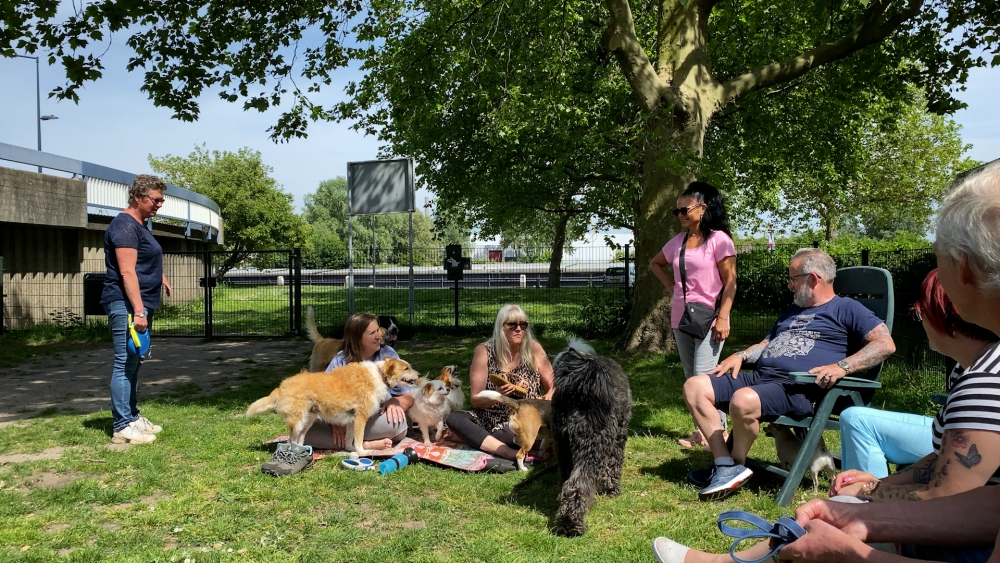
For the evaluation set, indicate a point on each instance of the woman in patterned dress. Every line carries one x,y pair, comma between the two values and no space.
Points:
513,353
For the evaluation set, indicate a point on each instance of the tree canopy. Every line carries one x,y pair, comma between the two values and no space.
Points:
257,214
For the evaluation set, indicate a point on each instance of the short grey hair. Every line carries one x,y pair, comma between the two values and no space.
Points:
145,183
815,261
968,225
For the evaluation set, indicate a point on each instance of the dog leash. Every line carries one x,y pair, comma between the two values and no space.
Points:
784,531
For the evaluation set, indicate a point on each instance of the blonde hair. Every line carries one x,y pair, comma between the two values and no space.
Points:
507,314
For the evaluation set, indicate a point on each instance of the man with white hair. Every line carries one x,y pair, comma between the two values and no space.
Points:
968,254
812,335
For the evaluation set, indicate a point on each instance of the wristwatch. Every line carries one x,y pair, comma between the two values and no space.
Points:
742,356
843,365
141,315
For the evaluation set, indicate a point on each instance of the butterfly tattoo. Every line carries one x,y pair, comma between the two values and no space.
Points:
970,460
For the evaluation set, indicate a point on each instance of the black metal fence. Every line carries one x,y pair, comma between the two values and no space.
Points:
218,294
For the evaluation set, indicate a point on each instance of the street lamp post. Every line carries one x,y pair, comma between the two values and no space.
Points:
39,118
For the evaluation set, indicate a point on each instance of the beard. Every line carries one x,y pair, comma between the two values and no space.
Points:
802,295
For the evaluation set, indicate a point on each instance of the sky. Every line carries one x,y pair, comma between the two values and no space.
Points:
115,125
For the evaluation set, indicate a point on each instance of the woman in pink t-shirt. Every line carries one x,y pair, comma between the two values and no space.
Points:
710,267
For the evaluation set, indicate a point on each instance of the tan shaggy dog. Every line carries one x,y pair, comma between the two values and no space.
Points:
529,418
347,396
324,349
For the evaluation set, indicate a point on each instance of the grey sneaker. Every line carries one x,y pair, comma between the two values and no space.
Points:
131,434
725,481
288,459
146,426
700,478
499,465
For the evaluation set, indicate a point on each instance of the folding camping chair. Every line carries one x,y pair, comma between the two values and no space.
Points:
872,287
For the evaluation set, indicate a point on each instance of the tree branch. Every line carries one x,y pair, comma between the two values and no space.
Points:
868,33
620,38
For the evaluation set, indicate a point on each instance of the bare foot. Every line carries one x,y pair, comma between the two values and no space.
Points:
694,440
383,444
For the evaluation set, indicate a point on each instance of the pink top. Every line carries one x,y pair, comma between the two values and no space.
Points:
704,283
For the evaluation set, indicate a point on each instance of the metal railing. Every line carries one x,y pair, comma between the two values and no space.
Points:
107,191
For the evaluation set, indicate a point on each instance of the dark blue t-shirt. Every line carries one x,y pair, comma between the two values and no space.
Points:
125,232
802,339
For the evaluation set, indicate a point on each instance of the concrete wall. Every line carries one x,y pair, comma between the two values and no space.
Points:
40,199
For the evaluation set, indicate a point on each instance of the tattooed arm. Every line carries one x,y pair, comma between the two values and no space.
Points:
850,481
878,347
968,459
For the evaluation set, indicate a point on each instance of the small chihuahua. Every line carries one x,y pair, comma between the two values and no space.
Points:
430,406
788,446
449,375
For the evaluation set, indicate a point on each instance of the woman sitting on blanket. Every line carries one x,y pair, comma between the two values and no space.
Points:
514,354
362,342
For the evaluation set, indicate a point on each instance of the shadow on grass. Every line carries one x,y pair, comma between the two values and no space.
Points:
105,424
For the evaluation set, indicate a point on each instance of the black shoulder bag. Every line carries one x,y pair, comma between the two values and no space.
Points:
697,319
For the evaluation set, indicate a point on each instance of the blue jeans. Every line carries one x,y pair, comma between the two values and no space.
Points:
869,438
125,374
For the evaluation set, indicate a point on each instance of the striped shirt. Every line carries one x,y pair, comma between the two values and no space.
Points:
973,401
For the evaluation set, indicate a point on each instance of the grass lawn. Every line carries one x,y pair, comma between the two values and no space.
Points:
197,494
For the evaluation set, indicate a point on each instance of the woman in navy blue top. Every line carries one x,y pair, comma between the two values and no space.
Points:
134,262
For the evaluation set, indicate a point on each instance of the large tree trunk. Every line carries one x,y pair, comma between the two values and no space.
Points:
559,241
649,325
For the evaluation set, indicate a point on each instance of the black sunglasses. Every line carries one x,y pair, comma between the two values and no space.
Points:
684,210
523,325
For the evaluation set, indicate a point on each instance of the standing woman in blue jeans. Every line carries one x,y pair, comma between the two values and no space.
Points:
134,262
710,272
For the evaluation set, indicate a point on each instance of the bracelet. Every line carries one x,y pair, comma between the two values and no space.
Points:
742,356
868,489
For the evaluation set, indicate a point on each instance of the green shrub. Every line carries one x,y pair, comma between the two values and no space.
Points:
606,313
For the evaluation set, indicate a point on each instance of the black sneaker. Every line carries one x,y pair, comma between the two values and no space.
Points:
499,465
700,478
288,459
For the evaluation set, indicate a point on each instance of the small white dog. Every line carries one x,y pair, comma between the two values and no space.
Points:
788,445
430,406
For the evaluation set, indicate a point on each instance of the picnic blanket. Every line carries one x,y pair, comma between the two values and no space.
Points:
447,452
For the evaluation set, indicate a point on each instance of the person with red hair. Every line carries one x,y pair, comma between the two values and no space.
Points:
872,438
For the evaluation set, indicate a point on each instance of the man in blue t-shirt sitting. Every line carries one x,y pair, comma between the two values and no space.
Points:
813,335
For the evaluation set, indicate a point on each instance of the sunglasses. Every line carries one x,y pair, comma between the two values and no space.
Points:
792,278
156,200
523,325
684,210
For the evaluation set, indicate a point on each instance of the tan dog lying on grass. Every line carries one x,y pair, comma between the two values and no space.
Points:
347,396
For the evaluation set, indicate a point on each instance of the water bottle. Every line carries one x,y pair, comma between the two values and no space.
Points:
398,461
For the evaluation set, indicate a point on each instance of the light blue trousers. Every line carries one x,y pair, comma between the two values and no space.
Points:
871,438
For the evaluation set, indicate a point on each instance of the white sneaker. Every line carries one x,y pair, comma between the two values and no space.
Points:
132,435
669,551
146,426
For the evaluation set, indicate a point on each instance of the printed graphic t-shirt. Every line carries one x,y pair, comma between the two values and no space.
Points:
702,267
804,338
125,232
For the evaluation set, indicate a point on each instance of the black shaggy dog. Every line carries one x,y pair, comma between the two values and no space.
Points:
591,409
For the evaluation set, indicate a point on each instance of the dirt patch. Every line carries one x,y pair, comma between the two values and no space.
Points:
117,447
51,480
51,453
65,551
110,527
77,381
55,528
413,525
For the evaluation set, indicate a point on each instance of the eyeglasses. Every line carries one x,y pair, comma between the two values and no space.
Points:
523,325
156,200
684,210
791,278
916,315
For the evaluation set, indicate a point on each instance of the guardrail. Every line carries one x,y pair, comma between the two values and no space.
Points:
107,191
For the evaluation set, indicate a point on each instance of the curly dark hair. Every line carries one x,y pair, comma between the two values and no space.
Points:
715,217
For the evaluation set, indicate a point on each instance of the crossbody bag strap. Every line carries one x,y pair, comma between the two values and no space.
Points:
680,266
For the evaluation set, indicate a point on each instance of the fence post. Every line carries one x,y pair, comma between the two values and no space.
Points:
208,293
864,256
3,325
298,292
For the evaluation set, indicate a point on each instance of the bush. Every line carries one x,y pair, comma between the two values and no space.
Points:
606,313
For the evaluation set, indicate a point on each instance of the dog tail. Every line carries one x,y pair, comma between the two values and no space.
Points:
314,334
264,405
493,395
